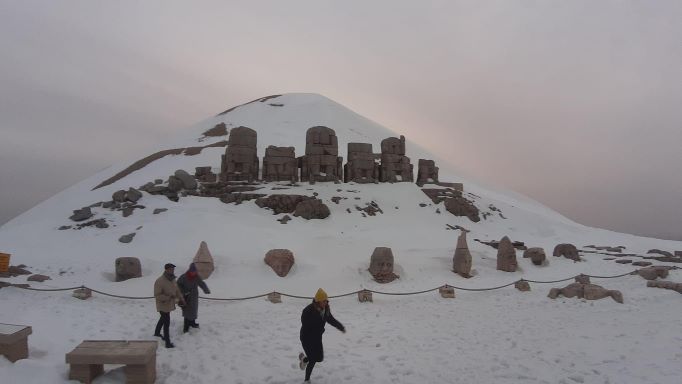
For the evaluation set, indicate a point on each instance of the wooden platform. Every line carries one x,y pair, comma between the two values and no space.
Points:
139,357
14,341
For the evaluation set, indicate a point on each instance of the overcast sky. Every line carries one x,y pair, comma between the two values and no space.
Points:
577,104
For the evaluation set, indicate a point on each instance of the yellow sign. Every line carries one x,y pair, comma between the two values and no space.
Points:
4,262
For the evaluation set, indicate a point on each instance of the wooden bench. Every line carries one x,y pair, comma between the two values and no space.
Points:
14,341
88,358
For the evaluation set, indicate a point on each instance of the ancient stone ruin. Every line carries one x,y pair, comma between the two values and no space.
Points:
427,172
506,256
536,255
652,273
585,291
203,261
381,265
205,175
280,164
240,161
665,285
568,251
312,209
128,268
361,166
395,166
280,260
321,161
461,262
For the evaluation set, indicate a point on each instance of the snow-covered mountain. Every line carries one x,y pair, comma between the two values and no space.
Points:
333,253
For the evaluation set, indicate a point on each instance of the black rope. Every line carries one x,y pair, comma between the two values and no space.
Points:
333,296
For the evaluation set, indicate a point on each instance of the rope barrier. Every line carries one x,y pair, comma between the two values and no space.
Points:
333,296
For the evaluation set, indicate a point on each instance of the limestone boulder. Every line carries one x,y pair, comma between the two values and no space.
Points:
281,203
119,196
133,195
536,255
128,268
459,206
280,260
38,278
312,209
203,261
596,292
568,251
461,261
586,291
127,238
188,181
81,214
653,273
506,256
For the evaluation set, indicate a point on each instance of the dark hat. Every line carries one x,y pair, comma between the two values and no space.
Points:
169,265
192,268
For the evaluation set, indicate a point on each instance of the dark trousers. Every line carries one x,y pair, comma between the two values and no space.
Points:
164,321
309,369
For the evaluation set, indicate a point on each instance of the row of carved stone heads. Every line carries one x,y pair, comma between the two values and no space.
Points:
381,261
506,255
321,161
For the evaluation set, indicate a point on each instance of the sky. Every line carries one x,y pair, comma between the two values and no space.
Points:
575,104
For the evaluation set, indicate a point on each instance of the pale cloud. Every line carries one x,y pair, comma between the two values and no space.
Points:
573,103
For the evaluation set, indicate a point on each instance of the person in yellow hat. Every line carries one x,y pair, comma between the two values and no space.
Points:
313,320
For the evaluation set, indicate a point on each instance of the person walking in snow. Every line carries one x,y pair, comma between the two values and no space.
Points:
313,320
189,282
166,293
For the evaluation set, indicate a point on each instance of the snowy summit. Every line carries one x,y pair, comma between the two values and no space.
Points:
291,193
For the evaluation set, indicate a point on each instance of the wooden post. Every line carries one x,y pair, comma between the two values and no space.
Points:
4,262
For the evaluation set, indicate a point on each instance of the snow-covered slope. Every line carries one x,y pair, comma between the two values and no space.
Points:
332,253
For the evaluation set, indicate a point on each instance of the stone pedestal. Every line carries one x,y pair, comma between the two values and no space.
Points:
365,296
447,292
275,298
82,293
14,341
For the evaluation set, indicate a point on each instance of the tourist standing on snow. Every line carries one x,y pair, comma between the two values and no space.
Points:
313,319
188,283
166,293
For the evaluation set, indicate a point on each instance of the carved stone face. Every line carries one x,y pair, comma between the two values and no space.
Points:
280,260
381,261
127,268
281,267
506,256
381,265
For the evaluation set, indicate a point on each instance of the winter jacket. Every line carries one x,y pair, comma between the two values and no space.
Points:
189,289
166,293
312,328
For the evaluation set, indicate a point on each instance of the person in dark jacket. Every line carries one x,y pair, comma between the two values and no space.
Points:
313,320
189,283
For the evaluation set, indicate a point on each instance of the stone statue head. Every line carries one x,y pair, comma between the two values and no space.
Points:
381,265
506,256
280,260
128,268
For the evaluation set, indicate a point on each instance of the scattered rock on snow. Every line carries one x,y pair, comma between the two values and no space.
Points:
127,238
